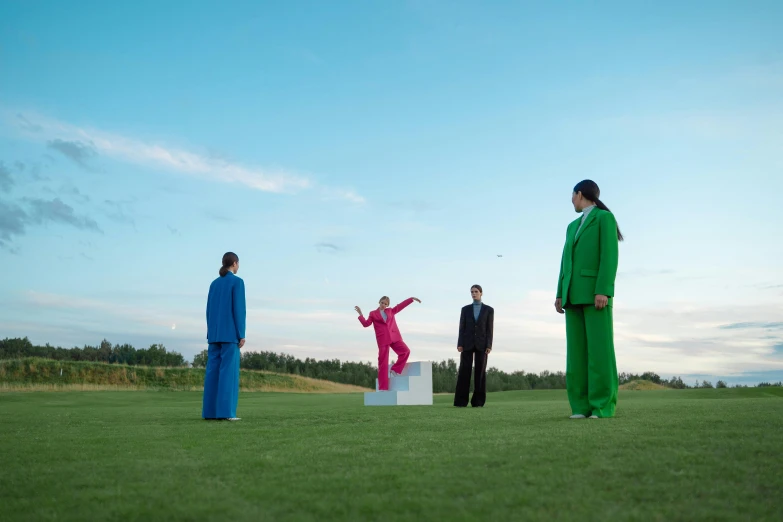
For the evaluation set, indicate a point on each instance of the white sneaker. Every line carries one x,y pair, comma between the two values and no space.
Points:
234,419
578,416
593,417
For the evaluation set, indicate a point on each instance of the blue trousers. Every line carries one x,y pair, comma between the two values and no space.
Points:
221,382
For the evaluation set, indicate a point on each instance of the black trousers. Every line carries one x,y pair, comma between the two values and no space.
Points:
466,362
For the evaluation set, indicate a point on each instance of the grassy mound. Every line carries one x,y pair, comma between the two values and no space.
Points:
35,374
642,386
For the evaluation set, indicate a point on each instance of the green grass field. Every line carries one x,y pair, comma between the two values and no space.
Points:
669,455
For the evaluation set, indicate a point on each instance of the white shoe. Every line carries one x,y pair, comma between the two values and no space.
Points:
593,417
578,416
234,419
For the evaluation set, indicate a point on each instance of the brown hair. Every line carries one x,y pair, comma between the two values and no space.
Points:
229,258
477,287
384,298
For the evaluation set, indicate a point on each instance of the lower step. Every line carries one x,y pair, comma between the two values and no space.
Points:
397,398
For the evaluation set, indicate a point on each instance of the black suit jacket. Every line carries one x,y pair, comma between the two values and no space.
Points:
476,335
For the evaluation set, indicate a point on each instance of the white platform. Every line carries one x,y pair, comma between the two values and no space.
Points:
412,387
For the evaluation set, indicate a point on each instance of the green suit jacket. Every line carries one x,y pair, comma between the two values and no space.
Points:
589,264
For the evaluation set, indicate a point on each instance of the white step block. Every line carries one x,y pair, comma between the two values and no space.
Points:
412,387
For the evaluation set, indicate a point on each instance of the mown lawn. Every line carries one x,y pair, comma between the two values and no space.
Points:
669,455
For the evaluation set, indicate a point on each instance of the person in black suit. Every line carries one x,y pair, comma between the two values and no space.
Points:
475,342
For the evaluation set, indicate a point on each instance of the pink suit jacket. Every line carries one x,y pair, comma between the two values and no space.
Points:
386,332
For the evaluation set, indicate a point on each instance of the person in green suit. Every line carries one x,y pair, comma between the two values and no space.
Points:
585,291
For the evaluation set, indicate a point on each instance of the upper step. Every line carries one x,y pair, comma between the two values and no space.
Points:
410,377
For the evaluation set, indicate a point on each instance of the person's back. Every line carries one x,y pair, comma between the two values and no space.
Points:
226,314
226,309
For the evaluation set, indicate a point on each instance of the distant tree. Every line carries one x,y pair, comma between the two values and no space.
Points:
721,384
200,359
676,383
706,384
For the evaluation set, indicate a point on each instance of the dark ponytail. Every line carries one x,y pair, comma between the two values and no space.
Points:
591,192
229,258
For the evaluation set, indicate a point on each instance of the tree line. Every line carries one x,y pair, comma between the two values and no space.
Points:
678,384
444,373
105,352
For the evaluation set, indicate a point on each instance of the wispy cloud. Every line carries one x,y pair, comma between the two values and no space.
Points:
15,219
341,194
27,125
645,272
58,212
76,151
118,211
220,218
30,171
148,313
774,325
328,247
12,223
78,143
75,193
6,181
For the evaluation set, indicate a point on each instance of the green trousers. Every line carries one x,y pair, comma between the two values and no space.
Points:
591,368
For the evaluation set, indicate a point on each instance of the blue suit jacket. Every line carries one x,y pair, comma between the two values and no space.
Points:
226,311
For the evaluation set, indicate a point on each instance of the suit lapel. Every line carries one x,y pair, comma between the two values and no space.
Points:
588,220
572,232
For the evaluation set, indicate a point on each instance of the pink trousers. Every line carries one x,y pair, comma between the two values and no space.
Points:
402,351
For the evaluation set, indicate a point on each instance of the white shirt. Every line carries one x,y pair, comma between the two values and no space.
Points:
585,212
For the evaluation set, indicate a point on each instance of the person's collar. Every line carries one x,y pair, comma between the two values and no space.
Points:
587,210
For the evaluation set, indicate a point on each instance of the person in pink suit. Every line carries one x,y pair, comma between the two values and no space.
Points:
388,336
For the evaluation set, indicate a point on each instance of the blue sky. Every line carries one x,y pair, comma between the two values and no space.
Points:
347,150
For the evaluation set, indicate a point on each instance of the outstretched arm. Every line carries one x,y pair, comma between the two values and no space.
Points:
365,322
399,307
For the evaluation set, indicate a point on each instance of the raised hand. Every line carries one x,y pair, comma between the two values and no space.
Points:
416,299
359,310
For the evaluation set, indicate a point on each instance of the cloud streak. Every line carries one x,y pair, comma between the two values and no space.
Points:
56,211
772,325
12,223
14,220
76,151
81,143
6,181
328,248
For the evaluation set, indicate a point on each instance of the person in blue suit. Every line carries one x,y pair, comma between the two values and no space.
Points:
226,314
